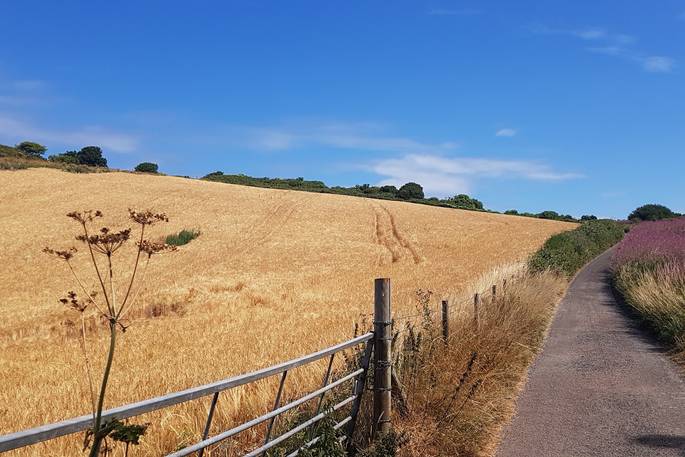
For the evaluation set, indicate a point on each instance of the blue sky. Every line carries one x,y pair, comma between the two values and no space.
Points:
576,106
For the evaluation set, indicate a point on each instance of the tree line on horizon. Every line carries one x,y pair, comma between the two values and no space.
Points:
412,192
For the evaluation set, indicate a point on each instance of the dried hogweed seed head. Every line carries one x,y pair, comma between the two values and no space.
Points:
146,217
64,255
106,242
155,247
85,216
73,302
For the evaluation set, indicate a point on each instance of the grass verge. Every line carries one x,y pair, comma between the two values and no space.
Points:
461,391
567,252
657,292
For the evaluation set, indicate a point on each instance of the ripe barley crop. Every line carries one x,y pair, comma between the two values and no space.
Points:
274,275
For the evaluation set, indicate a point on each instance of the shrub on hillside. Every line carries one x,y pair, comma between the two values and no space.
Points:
463,201
410,191
65,157
91,155
651,212
9,151
567,252
147,167
389,189
31,149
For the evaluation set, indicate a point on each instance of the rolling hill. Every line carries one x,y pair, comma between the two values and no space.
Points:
274,274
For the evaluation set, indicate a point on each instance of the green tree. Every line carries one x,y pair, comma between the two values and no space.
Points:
31,149
465,202
91,155
389,189
548,215
147,167
511,212
588,217
65,157
651,212
410,191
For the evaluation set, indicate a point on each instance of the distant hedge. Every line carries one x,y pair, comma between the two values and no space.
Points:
567,252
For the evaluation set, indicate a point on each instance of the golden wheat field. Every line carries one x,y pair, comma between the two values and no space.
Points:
274,275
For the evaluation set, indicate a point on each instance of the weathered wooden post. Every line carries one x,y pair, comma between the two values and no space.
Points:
445,320
382,384
476,312
494,291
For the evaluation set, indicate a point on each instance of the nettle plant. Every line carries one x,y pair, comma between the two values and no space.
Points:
111,305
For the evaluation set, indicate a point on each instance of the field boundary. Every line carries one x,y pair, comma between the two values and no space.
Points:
373,353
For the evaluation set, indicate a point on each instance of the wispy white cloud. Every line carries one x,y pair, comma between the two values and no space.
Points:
658,64
508,132
17,130
615,45
442,176
453,12
356,136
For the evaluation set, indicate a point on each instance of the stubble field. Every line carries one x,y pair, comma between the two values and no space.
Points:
274,275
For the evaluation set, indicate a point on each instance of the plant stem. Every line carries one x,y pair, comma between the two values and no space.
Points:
87,360
97,439
97,270
135,269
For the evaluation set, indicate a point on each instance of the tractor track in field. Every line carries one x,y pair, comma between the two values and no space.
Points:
266,226
388,235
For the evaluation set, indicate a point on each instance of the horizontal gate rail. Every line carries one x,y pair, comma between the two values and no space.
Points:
258,420
78,424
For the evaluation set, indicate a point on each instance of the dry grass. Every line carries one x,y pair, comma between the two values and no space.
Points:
460,395
275,274
657,293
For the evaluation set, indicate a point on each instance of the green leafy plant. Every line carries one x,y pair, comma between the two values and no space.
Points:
386,445
185,236
109,304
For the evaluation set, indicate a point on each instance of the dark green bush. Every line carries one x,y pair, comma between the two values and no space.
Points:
31,149
183,237
65,157
410,191
91,155
651,212
463,201
567,252
147,167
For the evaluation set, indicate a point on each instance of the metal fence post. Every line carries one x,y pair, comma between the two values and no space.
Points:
382,384
445,320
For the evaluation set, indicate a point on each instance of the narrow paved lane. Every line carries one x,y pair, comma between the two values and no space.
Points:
600,387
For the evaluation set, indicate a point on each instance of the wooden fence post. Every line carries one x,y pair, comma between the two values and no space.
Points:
494,291
476,312
445,320
382,384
